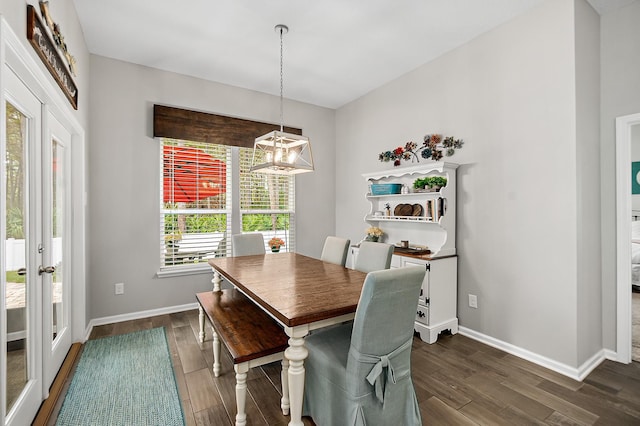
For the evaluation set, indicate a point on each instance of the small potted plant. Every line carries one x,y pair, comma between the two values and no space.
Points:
275,243
429,184
172,240
373,234
436,182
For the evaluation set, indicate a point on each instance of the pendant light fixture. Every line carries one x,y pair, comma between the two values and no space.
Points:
279,152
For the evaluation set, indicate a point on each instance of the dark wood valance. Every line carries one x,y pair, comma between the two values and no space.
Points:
176,123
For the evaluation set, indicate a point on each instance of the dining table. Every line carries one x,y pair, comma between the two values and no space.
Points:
301,293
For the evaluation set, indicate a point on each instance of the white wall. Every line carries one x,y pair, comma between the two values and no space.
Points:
589,271
64,13
511,95
620,89
124,186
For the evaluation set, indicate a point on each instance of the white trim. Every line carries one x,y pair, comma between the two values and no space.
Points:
574,373
611,355
623,235
193,269
16,335
429,166
137,315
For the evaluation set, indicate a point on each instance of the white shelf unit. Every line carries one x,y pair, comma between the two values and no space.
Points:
437,305
439,235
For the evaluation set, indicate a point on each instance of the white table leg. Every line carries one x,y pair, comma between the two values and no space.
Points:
284,377
216,280
241,393
216,354
296,353
201,335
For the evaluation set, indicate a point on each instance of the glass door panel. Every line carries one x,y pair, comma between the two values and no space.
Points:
16,254
57,234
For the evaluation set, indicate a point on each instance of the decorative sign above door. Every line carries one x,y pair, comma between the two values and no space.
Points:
46,50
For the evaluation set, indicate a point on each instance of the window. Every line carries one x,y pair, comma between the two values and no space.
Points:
195,205
267,202
197,213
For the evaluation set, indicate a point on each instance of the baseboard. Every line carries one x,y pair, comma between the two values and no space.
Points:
575,373
611,355
137,315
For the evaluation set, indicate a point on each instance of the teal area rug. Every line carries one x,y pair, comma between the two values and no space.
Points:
124,380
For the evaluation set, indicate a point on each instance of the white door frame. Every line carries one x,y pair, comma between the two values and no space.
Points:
623,234
15,53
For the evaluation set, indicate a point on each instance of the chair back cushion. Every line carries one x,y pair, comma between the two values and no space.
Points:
335,250
247,244
373,256
383,325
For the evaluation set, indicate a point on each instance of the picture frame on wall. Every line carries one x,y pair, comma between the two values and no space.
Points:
635,177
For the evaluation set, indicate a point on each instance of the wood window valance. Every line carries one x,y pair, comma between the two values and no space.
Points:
176,123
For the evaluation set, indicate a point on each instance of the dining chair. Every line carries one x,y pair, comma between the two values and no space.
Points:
247,244
335,250
373,256
360,373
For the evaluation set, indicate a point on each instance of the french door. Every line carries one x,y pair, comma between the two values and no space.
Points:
35,274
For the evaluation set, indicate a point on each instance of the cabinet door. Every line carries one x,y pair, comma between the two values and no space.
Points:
443,292
424,291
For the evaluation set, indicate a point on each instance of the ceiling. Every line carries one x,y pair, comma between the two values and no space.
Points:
335,51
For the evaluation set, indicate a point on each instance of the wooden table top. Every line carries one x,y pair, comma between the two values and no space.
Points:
294,288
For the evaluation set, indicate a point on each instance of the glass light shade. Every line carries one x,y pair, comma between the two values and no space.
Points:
282,153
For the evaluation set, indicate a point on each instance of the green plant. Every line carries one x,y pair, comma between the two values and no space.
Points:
437,181
420,183
430,182
13,277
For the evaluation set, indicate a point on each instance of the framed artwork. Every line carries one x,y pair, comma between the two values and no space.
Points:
635,177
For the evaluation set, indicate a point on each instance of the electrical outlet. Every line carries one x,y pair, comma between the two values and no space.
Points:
473,301
119,288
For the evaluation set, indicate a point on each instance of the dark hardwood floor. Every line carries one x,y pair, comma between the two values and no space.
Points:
458,381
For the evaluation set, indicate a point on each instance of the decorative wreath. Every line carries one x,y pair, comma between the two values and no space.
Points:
432,147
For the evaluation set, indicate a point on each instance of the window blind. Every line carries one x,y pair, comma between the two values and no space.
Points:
195,211
267,203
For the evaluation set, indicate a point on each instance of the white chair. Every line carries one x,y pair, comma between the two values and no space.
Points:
373,257
335,250
361,374
247,244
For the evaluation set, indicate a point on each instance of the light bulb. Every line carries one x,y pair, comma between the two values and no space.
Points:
278,155
292,157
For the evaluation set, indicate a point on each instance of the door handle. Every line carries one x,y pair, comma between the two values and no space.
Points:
46,269
22,271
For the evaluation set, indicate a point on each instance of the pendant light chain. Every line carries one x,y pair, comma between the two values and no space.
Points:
281,87
279,152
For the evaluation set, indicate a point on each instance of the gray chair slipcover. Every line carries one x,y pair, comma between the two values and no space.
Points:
247,244
360,374
373,256
335,250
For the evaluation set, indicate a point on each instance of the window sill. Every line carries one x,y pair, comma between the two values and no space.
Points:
201,268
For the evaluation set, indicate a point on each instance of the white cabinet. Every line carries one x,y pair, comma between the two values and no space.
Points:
438,297
431,223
